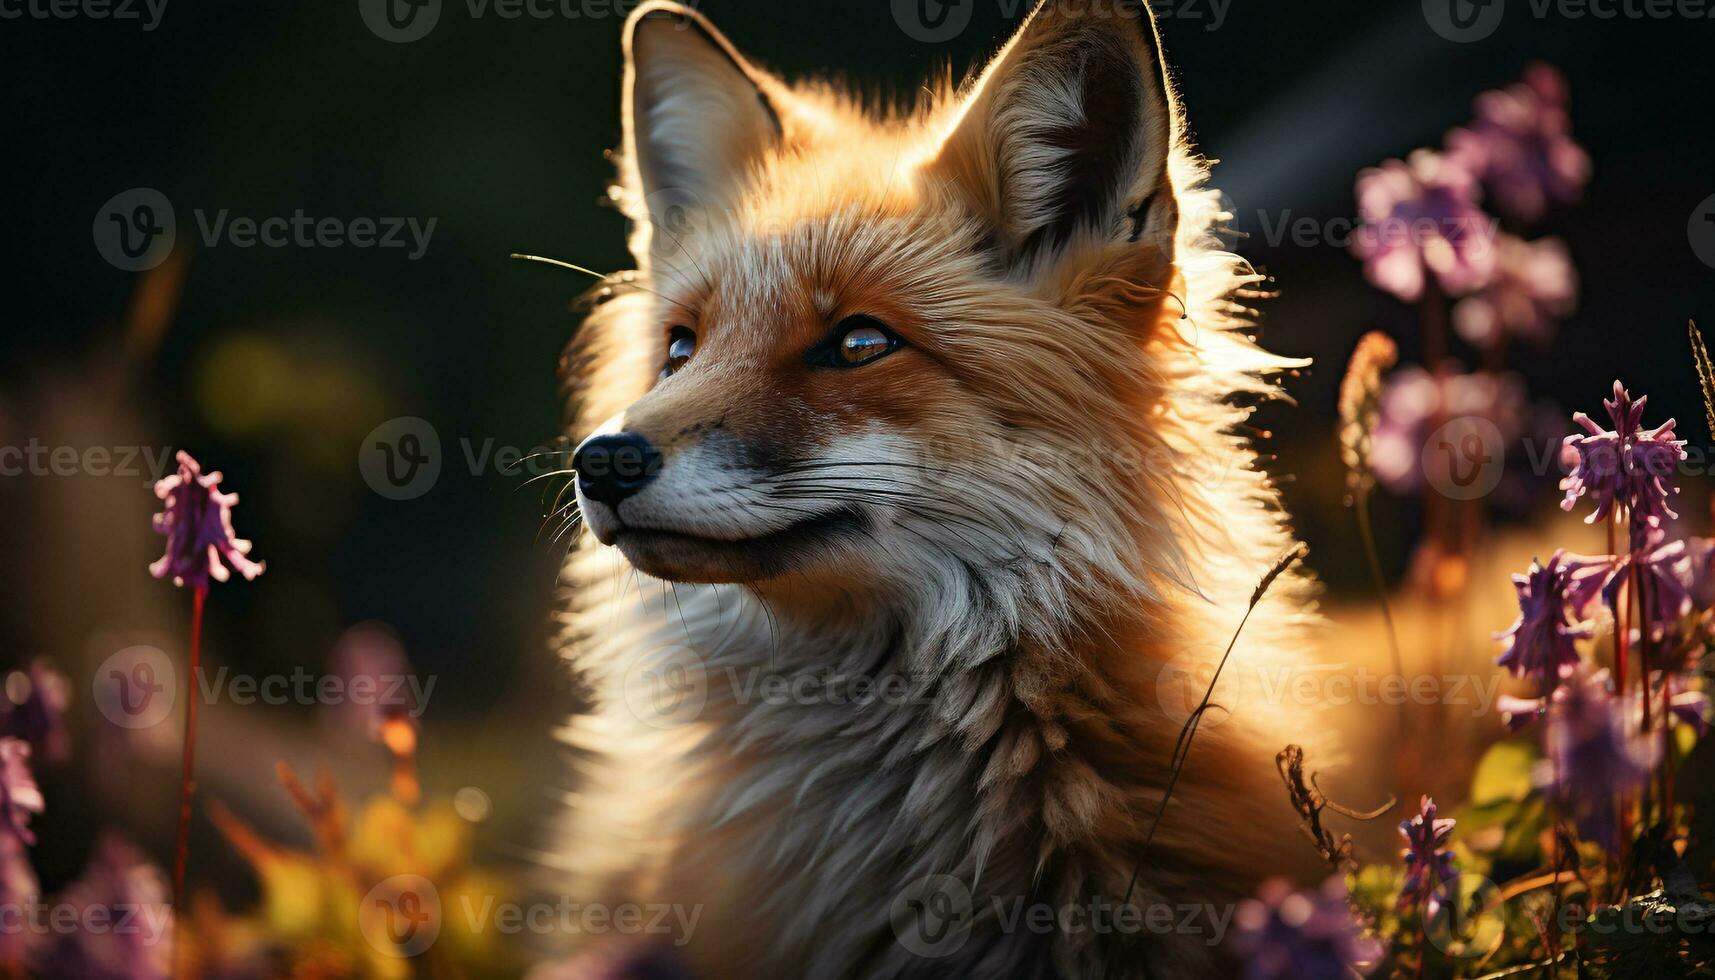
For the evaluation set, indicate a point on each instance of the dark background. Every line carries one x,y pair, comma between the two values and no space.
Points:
272,364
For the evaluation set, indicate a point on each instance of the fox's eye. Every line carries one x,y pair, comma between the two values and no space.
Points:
681,344
863,344
858,340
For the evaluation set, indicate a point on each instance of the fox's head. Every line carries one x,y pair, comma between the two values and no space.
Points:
944,350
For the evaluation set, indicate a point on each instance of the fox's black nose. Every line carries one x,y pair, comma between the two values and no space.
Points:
612,468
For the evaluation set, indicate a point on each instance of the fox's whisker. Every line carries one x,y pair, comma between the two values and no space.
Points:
566,527
538,478
609,279
547,454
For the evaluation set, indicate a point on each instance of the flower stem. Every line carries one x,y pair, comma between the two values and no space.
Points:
1434,311
1438,521
181,849
1622,607
1666,751
1642,598
1622,617
1361,501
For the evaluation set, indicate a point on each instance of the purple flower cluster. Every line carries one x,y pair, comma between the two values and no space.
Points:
1594,752
1520,146
34,710
1626,465
20,799
1423,216
1669,576
120,905
1534,284
1424,235
1409,408
18,888
1428,862
1542,644
120,887
1285,934
1623,471
1596,748
197,520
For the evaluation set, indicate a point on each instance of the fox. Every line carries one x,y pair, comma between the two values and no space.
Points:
918,504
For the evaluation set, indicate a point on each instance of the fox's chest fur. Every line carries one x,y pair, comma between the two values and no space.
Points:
949,405
799,789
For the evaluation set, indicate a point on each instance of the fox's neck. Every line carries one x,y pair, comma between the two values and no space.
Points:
934,631
954,663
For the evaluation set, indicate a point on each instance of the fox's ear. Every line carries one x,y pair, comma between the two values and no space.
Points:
697,115
1065,138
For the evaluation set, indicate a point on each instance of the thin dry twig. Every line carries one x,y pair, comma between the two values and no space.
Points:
1513,971
1182,747
1309,800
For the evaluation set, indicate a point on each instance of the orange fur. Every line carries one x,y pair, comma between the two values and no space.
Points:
1070,522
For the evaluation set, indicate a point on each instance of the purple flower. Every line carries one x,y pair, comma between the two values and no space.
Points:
19,795
128,897
198,524
34,710
1520,145
1286,934
378,678
1542,643
19,889
1665,568
1687,707
1428,862
1519,713
1594,753
1423,215
1534,284
1699,572
1627,465
1415,402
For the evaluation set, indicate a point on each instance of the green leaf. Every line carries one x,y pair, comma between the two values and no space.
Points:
1505,774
